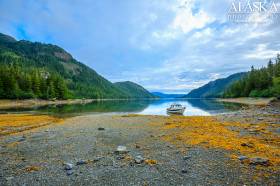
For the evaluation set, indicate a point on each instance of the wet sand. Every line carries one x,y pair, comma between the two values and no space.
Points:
176,150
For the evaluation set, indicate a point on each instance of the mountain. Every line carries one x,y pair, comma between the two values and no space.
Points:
163,95
82,81
215,88
263,82
134,90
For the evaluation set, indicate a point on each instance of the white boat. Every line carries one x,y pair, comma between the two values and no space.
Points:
176,109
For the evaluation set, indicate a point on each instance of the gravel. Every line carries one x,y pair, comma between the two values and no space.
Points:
66,144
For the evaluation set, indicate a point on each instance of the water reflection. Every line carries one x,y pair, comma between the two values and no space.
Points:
199,107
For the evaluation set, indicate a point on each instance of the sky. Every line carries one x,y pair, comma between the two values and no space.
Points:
172,46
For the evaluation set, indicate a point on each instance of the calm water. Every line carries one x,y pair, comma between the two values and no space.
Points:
194,107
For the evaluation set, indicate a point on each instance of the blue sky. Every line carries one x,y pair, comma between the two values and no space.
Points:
164,45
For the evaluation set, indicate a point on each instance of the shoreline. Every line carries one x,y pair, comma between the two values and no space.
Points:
247,101
6,104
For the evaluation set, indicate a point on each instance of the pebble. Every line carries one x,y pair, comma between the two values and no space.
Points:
247,145
184,171
68,166
259,161
82,162
23,138
97,159
120,157
9,178
69,172
139,159
121,150
241,158
101,128
186,157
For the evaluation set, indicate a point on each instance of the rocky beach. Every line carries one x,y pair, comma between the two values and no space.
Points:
236,148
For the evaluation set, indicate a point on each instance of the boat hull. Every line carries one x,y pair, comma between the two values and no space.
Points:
176,111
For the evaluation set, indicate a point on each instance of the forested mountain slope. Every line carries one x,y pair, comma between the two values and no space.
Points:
134,90
215,88
263,82
43,67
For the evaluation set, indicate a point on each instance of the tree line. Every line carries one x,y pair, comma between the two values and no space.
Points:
263,82
17,82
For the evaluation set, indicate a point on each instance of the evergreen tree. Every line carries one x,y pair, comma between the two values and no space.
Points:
264,82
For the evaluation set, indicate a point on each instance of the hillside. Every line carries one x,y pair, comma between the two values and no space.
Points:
215,88
82,81
163,95
263,82
134,90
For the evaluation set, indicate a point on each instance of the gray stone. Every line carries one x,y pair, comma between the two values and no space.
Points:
121,150
82,162
242,158
68,166
259,161
184,171
250,145
120,157
69,172
97,159
23,138
139,159
187,157
9,178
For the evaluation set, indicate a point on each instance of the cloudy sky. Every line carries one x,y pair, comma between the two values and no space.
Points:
164,45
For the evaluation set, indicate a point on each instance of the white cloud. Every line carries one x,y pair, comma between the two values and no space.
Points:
187,21
262,52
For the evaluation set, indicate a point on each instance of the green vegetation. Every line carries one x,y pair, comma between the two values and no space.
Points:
17,82
264,82
215,89
36,70
134,90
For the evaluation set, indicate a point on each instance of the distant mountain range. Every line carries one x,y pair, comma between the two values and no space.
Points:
82,81
216,88
163,95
